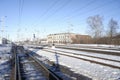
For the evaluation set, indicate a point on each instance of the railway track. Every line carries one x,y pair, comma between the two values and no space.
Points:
86,55
94,50
92,59
27,67
93,47
13,75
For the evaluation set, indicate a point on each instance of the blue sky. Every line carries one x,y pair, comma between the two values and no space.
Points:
43,17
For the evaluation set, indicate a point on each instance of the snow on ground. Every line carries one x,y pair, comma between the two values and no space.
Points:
95,59
94,71
30,70
4,61
112,57
4,53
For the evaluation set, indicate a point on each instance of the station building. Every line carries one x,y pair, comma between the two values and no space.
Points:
68,38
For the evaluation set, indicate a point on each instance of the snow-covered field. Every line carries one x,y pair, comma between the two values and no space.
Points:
4,53
91,54
117,58
91,70
4,61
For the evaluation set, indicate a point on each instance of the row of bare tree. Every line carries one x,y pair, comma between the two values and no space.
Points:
101,34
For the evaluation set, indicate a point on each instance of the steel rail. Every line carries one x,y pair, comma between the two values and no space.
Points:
50,74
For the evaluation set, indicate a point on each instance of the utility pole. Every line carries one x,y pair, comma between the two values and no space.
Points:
2,21
67,34
18,35
34,37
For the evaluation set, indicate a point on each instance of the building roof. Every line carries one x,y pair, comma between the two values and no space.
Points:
60,33
68,33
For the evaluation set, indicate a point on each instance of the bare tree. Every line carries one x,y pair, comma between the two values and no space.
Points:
95,26
112,28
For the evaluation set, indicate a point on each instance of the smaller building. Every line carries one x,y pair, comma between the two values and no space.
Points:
4,41
43,41
82,39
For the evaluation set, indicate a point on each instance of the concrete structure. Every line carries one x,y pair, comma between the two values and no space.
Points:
67,38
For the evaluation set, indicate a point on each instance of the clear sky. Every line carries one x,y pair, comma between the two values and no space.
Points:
42,17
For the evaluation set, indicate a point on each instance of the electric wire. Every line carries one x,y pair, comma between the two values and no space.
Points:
45,12
56,10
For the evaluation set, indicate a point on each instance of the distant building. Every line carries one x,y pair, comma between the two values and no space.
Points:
67,38
0,40
4,41
82,39
43,41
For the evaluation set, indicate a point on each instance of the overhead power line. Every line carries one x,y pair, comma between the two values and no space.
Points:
74,11
89,11
46,11
21,4
65,4
56,10
84,6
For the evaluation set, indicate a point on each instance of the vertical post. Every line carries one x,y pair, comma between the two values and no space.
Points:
56,58
34,38
2,26
57,62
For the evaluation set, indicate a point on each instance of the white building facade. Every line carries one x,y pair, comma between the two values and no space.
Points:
67,38
60,38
